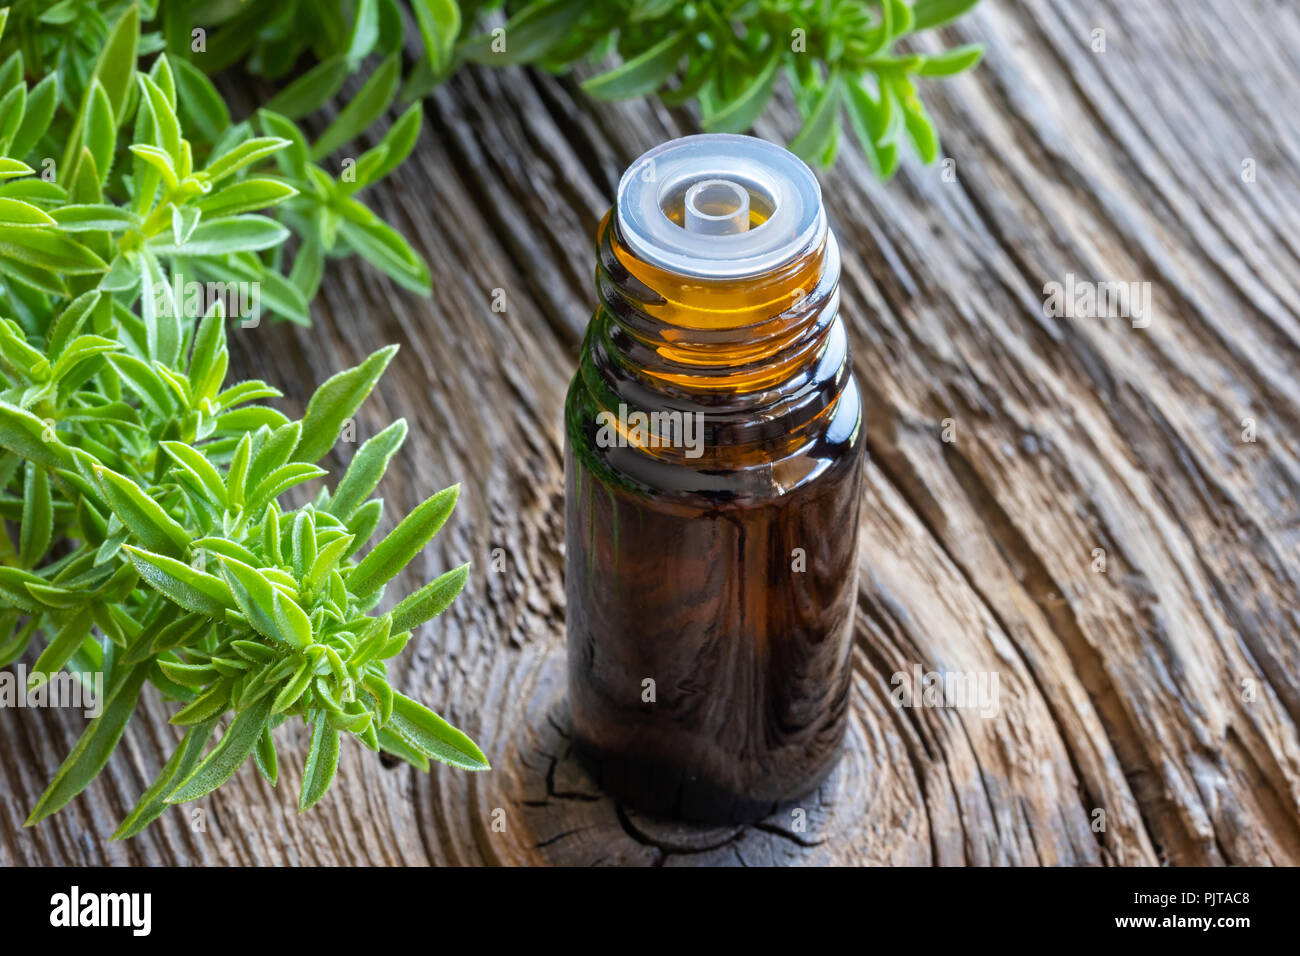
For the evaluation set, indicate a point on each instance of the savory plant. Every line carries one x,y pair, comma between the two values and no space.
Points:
151,544
71,45
728,56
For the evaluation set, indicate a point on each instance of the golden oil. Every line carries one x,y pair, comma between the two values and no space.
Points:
713,471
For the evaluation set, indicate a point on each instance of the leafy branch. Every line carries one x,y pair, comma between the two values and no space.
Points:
728,56
152,546
73,44
838,57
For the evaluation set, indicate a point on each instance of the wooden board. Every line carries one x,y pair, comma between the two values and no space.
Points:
1161,695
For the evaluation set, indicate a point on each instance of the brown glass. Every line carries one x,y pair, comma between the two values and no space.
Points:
726,580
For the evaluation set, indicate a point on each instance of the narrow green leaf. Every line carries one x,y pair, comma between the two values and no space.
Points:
157,159
383,247
391,743
312,90
363,109
79,349
304,543
920,129
281,480
201,104
337,400
867,121
38,516
815,137
950,61
245,196
327,559
740,114
145,383
209,358
180,765
933,13
10,167
49,250
195,675
116,64
366,469
205,478
145,517
641,75
15,212
37,115
439,24
223,236
168,128
245,154
322,761
238,471
62,646
294,689
227,756
293,160
403,543
392,150
901,19
420,728
275,451
94,748
291,620
892,118
94,217
100,129
32,438
529,34
364,33
70,320
12,106
430,601
212,703
183,584
264,756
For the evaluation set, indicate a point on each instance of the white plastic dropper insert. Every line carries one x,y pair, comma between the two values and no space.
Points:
716,180
717,207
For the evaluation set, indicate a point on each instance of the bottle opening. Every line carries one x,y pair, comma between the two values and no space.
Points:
719,207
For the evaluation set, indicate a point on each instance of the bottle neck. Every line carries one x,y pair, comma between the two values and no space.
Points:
760,360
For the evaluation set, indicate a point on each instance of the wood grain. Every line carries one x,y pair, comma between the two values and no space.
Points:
1163,692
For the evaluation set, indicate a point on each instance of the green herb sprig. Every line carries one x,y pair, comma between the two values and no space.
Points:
151,544
728,56
838,57
315,192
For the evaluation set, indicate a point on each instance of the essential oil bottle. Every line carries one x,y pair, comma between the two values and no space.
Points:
713,473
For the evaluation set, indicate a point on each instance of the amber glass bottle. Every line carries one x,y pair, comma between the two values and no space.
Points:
713,472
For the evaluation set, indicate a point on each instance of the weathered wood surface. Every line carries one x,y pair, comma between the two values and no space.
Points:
1128,691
